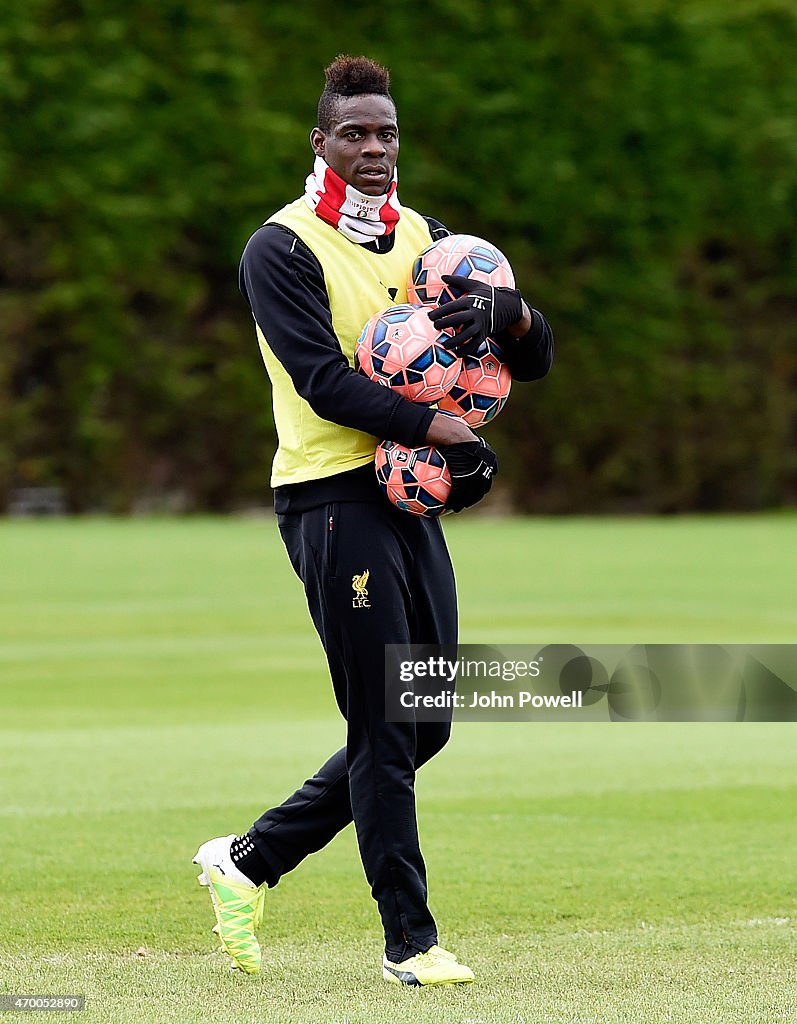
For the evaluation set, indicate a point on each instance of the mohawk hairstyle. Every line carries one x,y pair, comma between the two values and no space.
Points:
350,76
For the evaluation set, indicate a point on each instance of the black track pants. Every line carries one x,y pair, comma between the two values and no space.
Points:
408,596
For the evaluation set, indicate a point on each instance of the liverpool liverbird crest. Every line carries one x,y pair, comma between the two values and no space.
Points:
359,584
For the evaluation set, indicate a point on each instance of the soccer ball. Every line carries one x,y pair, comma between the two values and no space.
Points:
402,349
416,480
482,388
464,255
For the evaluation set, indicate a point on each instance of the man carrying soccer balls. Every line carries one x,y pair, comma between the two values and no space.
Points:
372,573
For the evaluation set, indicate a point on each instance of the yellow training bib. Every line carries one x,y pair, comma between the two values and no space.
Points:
359,283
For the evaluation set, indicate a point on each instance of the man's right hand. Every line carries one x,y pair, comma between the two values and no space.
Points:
447,429
471,462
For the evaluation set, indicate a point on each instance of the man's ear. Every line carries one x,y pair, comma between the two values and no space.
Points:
317,141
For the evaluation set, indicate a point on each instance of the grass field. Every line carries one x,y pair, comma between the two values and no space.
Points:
161,684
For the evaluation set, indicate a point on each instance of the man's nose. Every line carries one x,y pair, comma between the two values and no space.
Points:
373,146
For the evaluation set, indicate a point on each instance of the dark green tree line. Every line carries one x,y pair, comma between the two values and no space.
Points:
636,161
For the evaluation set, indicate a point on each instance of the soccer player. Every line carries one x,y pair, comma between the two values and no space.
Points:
372,574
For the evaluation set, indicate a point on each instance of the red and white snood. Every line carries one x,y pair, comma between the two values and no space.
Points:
359,217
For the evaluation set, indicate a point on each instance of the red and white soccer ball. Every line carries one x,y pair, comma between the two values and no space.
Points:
416,480
463,255
482,388
402,349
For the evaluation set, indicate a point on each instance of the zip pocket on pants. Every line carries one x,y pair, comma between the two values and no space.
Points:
331,531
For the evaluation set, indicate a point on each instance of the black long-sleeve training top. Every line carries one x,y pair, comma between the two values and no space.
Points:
282,280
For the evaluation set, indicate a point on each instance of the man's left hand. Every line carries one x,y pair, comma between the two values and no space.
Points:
482,312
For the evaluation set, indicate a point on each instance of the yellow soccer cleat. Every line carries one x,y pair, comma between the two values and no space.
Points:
434,967
237,903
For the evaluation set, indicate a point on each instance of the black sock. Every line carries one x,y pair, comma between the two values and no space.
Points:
246,858
405,954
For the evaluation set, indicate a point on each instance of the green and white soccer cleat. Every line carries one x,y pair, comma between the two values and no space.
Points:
237,903
434,967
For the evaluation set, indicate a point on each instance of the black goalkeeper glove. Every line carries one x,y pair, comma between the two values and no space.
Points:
472,465
484,312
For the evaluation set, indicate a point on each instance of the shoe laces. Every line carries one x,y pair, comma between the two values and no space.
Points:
438,953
